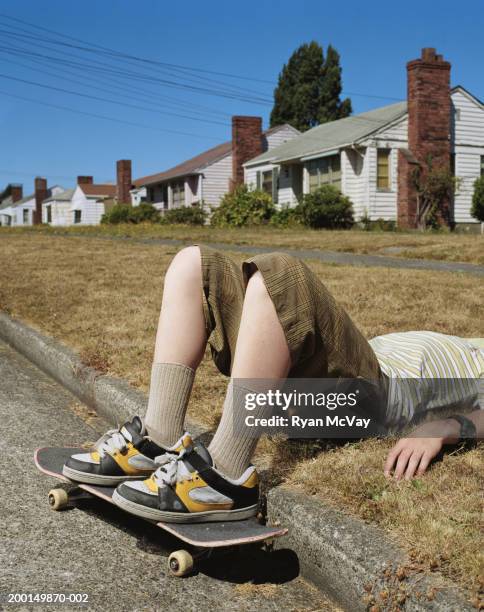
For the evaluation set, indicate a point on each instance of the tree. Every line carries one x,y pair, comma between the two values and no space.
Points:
332,107
477,210
309,88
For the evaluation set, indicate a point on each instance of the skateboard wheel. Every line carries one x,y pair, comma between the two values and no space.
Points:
58,499
180,563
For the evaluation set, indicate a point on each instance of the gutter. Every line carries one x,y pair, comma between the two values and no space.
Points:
357,564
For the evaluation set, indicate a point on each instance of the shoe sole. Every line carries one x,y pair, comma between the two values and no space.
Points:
210,516
97,479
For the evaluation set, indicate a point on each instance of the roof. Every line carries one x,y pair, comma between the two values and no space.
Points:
7,203
333,134
195,164
93,190
191,166
63,196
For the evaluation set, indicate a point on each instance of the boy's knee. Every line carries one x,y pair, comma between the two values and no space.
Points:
256,286
186,263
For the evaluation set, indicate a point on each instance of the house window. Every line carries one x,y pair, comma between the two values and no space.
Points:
324,171
482,165
178,193
383,168
48,210
25,216
267,181
77,216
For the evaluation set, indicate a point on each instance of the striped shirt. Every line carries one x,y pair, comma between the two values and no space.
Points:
428,371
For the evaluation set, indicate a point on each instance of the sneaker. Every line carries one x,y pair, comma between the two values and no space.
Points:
124,454
189,489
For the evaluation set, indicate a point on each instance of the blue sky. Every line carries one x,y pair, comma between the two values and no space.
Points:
251,39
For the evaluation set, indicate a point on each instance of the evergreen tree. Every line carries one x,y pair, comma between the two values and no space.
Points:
309,88
331,107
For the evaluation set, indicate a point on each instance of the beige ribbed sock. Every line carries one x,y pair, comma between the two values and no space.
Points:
171,385
234,444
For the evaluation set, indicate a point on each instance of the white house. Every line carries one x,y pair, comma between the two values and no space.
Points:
21,211
56,209
208,176
367,156
90,202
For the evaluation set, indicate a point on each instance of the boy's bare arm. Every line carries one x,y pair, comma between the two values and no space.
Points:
411,456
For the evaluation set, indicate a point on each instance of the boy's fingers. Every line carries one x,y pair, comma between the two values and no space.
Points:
391,458
424,463
402,463
413,464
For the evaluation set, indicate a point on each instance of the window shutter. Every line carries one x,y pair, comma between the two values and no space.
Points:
258,181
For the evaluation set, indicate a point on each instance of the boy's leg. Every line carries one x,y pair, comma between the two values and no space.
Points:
202,299
261,352
290,325
180,344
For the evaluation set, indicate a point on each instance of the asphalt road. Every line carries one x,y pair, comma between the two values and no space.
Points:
119,562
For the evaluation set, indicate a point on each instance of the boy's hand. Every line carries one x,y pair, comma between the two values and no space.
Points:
411,456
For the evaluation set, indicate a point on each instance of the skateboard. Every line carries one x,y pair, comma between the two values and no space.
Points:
202,538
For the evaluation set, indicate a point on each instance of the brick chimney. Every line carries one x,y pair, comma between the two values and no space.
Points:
246,144
16,192
123,182
429,122
85,180
40,195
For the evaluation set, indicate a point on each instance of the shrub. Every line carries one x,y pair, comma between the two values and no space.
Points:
477,209
243,207
143,212
124,213
326,207
379,225
119,213
286,217
186,215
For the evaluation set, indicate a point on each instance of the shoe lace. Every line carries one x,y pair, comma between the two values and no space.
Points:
112,441
171,469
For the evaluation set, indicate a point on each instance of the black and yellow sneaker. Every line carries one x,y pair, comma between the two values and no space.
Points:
121,454
189,489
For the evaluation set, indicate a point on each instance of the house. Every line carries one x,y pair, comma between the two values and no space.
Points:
208,176
88,201
17,210
55,209
371,157
9,197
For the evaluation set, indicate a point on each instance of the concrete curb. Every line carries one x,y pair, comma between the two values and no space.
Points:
354,562
112,398
346,557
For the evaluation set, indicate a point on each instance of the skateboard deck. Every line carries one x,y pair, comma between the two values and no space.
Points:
50,461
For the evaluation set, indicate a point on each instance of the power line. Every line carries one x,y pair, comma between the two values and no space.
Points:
105,117
227,93
39,58
99,98
78,80
134,57
116,53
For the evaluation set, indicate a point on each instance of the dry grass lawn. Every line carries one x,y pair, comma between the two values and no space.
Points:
430,245
102,298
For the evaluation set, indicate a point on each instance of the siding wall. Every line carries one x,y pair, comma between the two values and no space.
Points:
18,215
61,214
279,137
216,181
354,168
91,210
468,146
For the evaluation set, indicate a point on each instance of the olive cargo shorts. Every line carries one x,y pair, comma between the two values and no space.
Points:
322,339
